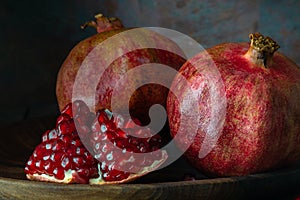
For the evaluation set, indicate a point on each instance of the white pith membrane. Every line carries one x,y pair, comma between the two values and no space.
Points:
69,177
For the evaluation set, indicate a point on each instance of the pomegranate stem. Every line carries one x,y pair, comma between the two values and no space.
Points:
102,23
261,49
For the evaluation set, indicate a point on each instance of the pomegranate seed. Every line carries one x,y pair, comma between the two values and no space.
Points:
65,163
155,140
102,117
57,145
120,143
45,136
66,127
59,173
76,142
120,133
52,134
133,140
57,156
78,161
80,151
142,148
84,172
103,128
67,139
68,110
47,165
62,117
39,151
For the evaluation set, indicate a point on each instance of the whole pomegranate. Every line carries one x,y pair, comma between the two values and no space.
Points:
261,126
143,97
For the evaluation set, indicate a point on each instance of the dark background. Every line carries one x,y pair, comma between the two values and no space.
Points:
36,37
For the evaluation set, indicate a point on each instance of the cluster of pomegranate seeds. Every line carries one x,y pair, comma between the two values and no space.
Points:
61,155
109,132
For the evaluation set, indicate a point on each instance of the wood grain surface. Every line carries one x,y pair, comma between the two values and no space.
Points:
167,183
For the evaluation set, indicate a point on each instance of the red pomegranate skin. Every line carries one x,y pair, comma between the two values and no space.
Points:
262,124
144,97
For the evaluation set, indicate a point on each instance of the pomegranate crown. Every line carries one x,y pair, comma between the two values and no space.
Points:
261,50
103,23
262,43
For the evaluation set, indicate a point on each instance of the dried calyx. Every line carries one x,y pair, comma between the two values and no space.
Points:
261,49
103,23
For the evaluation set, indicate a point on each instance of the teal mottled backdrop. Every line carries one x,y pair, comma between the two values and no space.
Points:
36,36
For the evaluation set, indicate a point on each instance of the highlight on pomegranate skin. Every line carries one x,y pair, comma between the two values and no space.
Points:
63,158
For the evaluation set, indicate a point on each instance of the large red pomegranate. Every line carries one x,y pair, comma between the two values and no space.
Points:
144,97
261,126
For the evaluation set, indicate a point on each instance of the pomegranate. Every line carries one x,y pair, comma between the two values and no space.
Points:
261,129
61,156
143,97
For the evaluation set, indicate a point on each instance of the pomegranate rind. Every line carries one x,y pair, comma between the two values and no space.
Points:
71,176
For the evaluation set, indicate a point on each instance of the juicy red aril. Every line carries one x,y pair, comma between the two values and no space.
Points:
57,145
62,117
65,162
66,127
49,134
102,118
59,173
67,110
45,136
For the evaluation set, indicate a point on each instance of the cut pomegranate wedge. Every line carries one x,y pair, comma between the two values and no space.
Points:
95,149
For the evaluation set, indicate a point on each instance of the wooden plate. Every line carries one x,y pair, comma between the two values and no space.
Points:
18,141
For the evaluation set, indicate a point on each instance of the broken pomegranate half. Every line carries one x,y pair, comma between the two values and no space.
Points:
96,149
